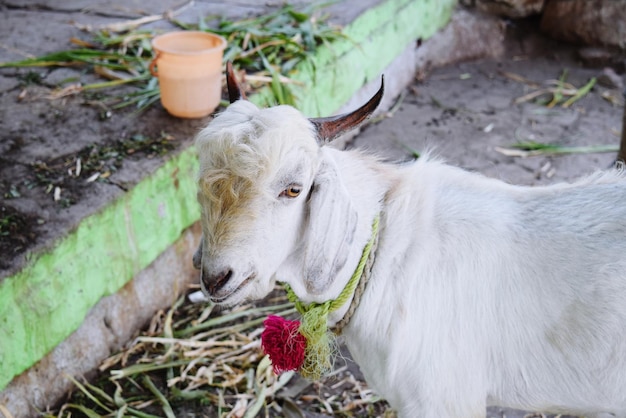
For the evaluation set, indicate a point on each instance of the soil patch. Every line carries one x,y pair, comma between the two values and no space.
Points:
468,112
62,160
16,231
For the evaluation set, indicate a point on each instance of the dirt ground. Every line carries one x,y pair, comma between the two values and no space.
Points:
463,112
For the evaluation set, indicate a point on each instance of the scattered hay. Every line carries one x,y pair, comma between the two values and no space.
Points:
534,149
194,361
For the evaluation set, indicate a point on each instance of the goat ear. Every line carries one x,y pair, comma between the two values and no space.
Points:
332,223
234,90
331,127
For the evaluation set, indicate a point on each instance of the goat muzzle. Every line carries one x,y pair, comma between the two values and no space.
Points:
214,282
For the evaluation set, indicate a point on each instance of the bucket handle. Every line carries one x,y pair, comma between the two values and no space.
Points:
153,63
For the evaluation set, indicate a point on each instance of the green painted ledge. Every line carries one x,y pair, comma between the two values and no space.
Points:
45,302
48,300
372,41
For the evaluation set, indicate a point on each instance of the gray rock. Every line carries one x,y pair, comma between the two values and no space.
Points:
598,22
508,8
609,78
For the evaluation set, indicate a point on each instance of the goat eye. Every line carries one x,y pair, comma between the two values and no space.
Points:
291,191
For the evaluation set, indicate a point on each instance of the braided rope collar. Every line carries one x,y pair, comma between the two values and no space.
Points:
308,345
365,276
354,288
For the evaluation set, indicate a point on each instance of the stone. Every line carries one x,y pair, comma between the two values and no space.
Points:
8,83
598,22
601,57
609,78
508,8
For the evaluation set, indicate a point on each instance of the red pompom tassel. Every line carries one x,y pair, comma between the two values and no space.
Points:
283,343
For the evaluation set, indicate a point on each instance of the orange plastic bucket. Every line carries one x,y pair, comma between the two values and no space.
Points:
189,67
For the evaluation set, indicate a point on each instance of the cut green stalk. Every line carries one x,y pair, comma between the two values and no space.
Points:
254,410
90,413
532,149
580,93
145,368
118,400
241,327
558,95
167,408
114,83
101,393
87,393
73,57
414,153
122,412
139,414
189,395
228,318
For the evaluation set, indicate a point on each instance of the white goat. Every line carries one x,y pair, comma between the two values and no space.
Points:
481,293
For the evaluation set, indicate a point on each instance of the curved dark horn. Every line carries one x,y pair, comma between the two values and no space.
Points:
234,90
331,127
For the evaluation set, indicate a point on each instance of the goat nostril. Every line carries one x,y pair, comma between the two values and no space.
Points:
215,283
221,281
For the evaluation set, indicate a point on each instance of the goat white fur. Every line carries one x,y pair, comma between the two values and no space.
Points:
481,292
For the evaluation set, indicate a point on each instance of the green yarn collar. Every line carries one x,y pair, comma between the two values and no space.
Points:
321,343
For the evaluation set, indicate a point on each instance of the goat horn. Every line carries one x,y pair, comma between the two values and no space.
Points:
331,127
234,90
